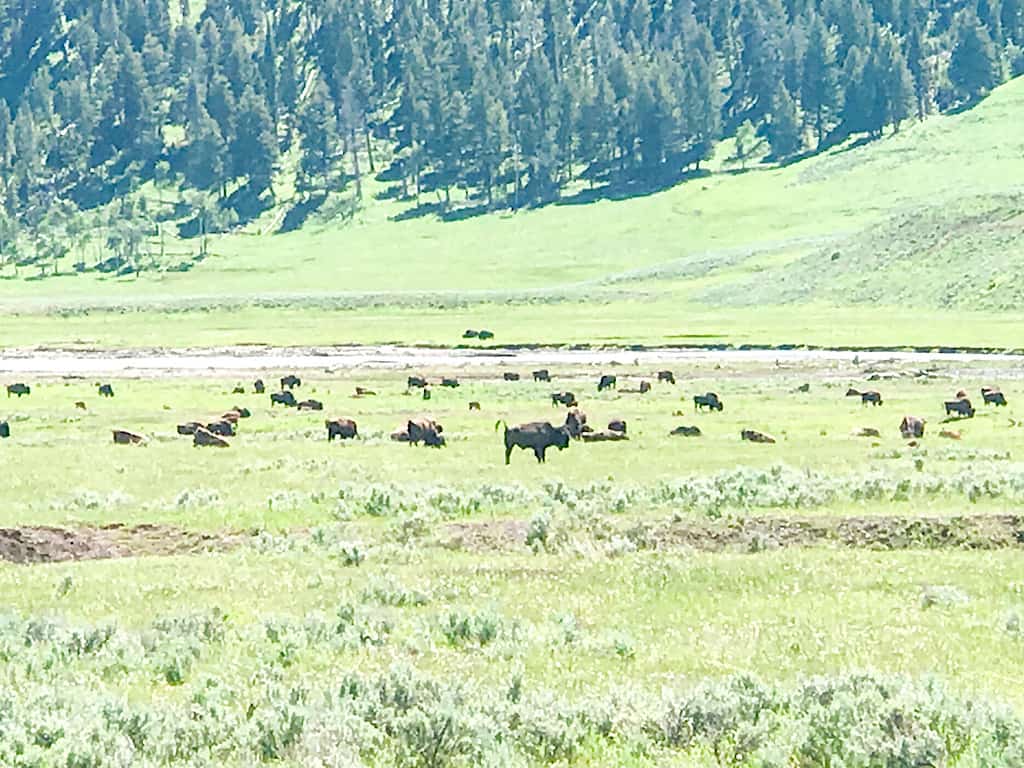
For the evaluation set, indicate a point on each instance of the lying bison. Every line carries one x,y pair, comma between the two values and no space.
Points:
223,428
343,429
450,383
753,436
469,333
606,436
607,382
243,413
685,431
912,427
239,390
509,376
18,389
667,376
106,390
567,399
364,392
617,425
485,335
310,405
426,431
474,405
865,397
708,400
205,438
991,396
536,435
542,375
123,437
291,382
5,430
189,428
961,408
286,399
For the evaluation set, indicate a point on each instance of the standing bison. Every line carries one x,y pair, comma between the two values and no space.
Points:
537,436
961,408
607,382
343,429
291,382
509,376
865,397
667,376
18,389
106,390
567,399
542,375
708,400
426,431
416,382
259,387
5,430
992,396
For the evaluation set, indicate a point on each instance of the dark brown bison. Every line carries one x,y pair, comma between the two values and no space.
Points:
80,405
645,387
310,405
575,423
401,435
426,431
239,390
243,413
912,427
222,428
363,392
607,382
343,429
865,397
537,436
231,417
617,425
567,399
485,335
189,428
286,399
5,430
205,438
667,376
291,382
18,389
450,383
685,431
106,390
426,393
510,376
259,386
707,400
992,396
416,382
123,437
470,334
961,408
474,405
604,437
542,375
961,394
753,436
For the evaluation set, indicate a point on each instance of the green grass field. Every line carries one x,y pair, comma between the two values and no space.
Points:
371,603
889,243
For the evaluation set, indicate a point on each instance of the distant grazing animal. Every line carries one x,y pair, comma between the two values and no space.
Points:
363,392
259,386
343,429
474,405
450,383
753,436
283,398
416,382
485,335
80,405
607,382
685,431
311,405
866,432
537,436
950,434
243,413
239,390
123,437
803,388
509,376
401,435
645,387
567,399
617,425
470,334
992,396
708,400
912,426
5,430
667,376
575,423
865,397
222,428
205,438
106,390
604,437
189,428
962,408
291,382
426,431
542,375
18,389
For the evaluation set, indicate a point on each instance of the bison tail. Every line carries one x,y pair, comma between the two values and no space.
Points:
500,423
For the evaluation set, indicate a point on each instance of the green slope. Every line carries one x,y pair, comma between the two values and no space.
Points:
928,218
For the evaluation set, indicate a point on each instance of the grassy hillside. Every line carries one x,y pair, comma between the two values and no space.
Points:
927,220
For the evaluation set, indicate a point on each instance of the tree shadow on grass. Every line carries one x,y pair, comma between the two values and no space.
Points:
628,190
300,212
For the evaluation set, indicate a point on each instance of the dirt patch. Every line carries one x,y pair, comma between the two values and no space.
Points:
43,544
982,532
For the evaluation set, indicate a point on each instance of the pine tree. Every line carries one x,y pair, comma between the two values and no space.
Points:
783,129
205,151
974,65
746,142
819,93
319,132
254,146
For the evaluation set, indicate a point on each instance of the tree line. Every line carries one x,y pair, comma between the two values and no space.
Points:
506,101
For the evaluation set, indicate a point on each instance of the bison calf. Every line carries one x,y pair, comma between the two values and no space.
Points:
343,429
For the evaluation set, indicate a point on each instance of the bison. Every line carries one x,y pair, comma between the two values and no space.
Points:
80,405
617,425
123,437
450,383
685,431
866,432
865,397
223,428
485,335
474,405
991,396
470,334
604,437
426,431
912,427
231,417
607,382
567,399
205,438
18,389
509,376
364,392
575,423
645,387
667,376
542,375
962,408
343,429
189,428
707,400
259,386
243,413
291,382
753,436
416,382
106,390
310,405
286,399
5,430
537,436
239,390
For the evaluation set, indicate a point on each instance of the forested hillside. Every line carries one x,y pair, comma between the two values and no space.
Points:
227,109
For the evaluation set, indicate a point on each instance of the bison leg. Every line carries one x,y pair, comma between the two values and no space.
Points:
508,454
539,453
